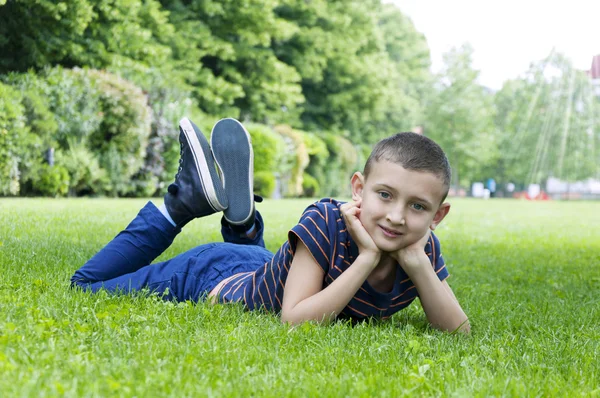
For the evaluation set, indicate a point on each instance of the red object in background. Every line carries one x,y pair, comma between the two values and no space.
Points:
524,195
595,71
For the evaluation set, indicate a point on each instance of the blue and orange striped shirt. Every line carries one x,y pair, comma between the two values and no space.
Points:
323,230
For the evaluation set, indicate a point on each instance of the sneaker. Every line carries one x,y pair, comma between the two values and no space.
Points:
197,190
232,148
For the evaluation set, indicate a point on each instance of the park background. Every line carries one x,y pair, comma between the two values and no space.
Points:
91,93
96,88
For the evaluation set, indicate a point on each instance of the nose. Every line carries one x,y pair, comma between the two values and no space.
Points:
395,215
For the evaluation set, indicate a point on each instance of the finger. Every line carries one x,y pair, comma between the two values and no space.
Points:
352,211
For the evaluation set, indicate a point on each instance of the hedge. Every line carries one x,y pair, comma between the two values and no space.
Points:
12,129
88,116
296,157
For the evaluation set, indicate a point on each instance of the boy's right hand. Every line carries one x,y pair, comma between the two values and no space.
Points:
351,213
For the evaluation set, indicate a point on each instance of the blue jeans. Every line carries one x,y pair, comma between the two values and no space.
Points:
124,264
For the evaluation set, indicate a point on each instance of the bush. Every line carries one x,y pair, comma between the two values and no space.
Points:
296,156
268,148
318,157
71,97
122,136
12,130
95,111
86,175
52,181
170,99
310,186
341,164
264,183
59,106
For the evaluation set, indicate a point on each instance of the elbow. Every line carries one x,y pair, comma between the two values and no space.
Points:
294,318
464,327
287,317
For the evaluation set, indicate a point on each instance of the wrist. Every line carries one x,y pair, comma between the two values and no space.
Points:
369,257
415,264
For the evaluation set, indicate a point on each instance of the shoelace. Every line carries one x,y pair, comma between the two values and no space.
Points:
180,161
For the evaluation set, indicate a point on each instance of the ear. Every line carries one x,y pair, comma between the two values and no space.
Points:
441,212
358,184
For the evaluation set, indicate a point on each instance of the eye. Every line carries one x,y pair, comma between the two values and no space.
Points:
418,207
384,195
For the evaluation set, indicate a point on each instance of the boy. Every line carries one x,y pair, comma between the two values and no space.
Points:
368,257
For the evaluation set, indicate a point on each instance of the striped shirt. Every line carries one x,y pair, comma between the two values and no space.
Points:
323,230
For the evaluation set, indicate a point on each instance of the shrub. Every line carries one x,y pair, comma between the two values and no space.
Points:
342,162
72,98
268,148
310,186
86,175
94,110
264,183
43,128
12,129
52,181
170,100
297,156
122,136
59,106
318,157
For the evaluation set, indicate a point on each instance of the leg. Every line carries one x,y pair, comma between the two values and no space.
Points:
196,192
189,276
144,239
232,235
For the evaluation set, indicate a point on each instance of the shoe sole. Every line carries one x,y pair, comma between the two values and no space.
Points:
232,147
205,165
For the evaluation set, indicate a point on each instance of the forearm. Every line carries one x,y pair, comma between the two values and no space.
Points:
442,309
327,304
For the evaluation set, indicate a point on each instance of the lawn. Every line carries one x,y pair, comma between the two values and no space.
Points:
527,274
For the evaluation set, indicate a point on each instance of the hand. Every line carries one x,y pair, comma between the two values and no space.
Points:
351,213
413,256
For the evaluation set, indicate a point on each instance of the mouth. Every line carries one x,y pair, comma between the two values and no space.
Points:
390,233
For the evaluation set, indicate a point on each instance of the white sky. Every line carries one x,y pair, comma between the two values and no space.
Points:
508,35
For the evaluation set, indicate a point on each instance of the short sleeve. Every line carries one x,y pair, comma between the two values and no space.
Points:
313,231
439,265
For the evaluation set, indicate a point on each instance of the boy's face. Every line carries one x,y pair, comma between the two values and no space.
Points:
398,205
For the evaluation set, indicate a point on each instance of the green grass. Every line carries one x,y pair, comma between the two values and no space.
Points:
527,274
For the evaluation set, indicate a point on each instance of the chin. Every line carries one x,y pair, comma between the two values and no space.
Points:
389,247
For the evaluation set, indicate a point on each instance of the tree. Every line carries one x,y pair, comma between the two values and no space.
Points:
351,59
547,125
34,34
459,117
229,44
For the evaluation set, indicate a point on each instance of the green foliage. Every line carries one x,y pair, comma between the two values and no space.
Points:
86,175
90,109
268,148
12,130
82,33
317,158
547,125
460,116
295,149
264,183
239,74
70,96
52,181
310,186
122,136
352,57
341,164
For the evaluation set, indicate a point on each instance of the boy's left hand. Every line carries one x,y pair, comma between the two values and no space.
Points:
413,257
